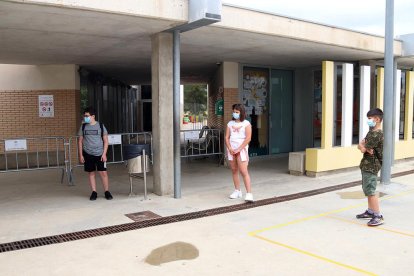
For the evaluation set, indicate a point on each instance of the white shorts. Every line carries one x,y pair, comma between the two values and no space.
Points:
244,153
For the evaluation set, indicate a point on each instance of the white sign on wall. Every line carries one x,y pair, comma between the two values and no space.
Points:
46,106
114,139
20,144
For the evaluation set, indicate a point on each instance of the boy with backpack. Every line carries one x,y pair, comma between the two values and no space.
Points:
92,146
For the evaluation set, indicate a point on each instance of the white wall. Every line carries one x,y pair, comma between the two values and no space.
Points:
38,77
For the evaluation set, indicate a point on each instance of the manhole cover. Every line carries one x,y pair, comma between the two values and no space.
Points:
141,216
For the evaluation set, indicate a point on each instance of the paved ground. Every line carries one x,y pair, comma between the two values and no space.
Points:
316,235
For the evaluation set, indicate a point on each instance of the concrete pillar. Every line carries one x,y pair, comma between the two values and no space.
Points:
347,104
408,120
380,88
162,112
230,88
327,104
397,105
373,87
364,101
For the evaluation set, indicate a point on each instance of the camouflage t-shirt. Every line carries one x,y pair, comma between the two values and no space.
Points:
372,162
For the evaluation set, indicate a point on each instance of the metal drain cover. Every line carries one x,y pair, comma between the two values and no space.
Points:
141,216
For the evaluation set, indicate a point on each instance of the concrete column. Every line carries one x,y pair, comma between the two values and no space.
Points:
327,104
408,120
347,104
364,101
380,88
397,105
373,88
162,112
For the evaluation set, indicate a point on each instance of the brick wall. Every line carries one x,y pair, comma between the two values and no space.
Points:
231,96
214,121
19,114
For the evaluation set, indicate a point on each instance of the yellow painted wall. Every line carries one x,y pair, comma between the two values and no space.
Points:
327,104
408,119
333,158
380,88
321,160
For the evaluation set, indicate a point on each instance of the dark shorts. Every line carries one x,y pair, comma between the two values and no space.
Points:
369,183
93,163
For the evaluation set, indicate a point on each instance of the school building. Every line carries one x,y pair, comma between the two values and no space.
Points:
306,86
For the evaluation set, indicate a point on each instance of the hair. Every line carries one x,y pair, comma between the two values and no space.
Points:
240,108
90,110
376,112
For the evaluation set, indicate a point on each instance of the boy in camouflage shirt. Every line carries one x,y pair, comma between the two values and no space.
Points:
370,165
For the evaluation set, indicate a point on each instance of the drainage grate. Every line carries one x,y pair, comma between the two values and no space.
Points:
36,242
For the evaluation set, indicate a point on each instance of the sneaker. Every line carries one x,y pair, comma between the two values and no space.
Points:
236,194
108,195
375,221
365,215
93,196
249,197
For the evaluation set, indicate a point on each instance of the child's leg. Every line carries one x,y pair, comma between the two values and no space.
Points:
92,181
244,172
235,173
373,203
105,180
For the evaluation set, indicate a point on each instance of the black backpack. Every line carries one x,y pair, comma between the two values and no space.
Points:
100,125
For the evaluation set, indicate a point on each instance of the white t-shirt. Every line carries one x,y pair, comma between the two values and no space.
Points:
238,130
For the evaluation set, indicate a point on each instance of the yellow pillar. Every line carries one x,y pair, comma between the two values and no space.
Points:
380,88
408,120
327,104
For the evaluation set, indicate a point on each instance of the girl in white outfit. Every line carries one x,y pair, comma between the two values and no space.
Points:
238,136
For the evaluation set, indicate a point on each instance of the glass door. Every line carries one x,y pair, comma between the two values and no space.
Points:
281,110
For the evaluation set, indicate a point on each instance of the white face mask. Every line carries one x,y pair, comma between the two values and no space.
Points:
236,115
371,123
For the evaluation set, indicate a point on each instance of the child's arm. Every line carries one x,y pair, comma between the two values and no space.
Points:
363,149
361,146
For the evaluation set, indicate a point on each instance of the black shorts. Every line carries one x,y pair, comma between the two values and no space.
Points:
93,163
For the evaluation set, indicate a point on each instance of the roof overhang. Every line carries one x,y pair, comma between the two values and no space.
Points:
118,43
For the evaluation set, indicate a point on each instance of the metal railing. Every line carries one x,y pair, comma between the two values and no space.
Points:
36,153
201,142
114,153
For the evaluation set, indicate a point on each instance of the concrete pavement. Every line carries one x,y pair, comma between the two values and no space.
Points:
316,235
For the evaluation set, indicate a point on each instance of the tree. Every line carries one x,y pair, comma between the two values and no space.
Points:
195,99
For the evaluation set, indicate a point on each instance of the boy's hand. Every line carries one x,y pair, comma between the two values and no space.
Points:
81,159
103,158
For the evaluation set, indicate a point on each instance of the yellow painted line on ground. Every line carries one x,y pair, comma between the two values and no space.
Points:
315,256
255,233
376,228
304,219
325,214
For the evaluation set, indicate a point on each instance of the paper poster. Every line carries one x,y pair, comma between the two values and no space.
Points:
255,90
46,106
115,139
20,144
191,135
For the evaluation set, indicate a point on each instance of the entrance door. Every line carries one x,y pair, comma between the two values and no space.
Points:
281,110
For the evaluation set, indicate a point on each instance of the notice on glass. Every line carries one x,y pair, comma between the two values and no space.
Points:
46,106
114,139
12,145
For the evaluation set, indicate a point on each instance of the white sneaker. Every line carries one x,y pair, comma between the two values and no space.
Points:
249,197
236,194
